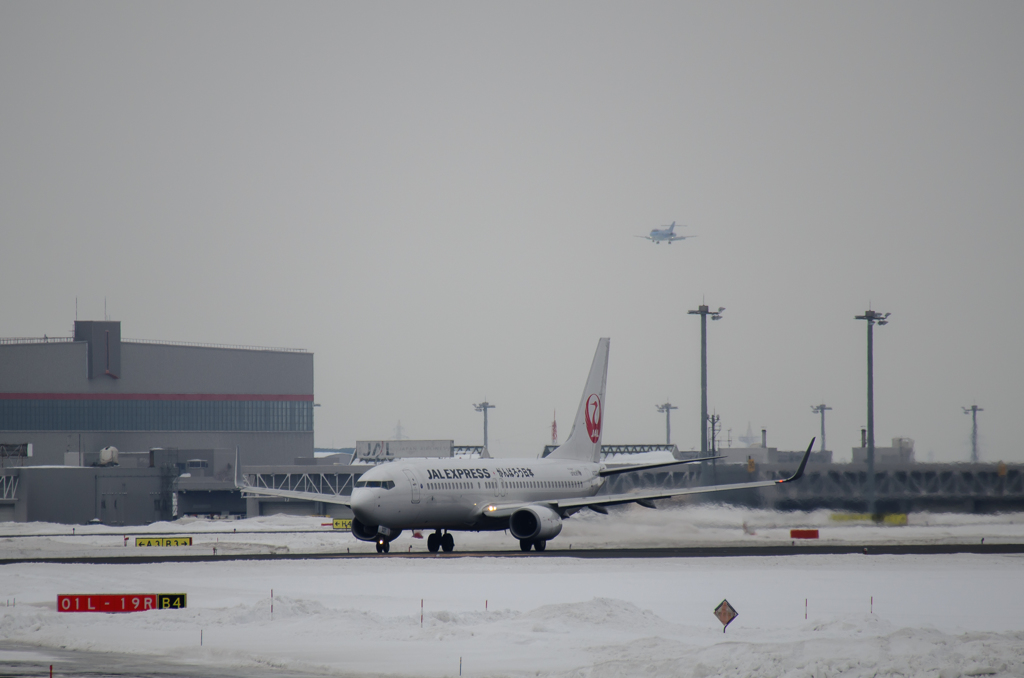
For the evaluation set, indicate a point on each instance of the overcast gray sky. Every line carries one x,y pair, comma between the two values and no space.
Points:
440,200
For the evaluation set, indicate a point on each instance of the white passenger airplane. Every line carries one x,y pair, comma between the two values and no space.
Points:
667,234
528,497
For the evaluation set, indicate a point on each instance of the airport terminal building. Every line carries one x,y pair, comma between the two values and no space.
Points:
63,399
177,412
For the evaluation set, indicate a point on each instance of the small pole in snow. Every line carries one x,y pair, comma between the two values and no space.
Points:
271,604
51,670
805,608
200,637
421,613
460,666
485,606
872,604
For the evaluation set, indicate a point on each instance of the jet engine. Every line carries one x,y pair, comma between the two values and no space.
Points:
532,523
363,532
372,532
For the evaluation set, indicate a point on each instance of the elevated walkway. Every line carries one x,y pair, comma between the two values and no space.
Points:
903,488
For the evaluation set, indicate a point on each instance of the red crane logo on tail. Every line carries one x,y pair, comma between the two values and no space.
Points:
593,416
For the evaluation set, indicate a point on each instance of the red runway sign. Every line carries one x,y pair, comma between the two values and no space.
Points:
120,602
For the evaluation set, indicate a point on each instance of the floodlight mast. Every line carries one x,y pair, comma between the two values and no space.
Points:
973,411
703,312
716,427
820,409
667,409
871,317
483,407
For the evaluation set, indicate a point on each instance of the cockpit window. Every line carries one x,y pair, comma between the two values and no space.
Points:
382,484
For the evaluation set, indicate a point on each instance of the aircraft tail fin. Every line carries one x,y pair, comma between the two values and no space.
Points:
584,441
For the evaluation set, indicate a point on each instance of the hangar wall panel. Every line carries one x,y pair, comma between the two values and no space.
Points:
255,447
42,368
145,395
155,368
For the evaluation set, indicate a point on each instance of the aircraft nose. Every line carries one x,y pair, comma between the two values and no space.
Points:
361,502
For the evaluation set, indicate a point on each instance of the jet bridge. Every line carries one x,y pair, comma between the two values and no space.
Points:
336,480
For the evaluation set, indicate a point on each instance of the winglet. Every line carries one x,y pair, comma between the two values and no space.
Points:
800,469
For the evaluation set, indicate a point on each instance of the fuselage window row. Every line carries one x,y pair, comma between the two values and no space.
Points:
519,484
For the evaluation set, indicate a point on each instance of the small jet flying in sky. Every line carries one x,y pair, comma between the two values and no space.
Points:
528,497
664,234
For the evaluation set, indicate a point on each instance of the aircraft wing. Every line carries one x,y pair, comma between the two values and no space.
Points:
646,467
682,237
497,510
644,498
598,502
505,510
645,237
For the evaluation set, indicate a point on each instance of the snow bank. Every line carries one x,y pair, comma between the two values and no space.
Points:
954,615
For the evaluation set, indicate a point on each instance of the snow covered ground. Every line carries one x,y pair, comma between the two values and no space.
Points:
632,527
948,615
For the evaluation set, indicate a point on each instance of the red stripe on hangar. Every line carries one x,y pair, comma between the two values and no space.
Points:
158,396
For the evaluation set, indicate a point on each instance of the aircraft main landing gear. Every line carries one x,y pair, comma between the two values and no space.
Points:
383,546
438,541
527,544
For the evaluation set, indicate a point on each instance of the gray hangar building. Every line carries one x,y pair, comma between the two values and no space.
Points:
169,404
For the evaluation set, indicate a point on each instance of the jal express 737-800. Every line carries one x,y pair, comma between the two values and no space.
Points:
528,497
